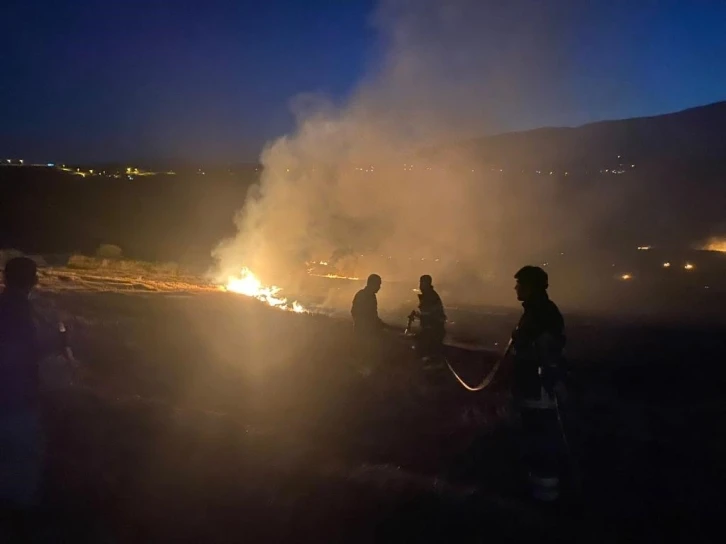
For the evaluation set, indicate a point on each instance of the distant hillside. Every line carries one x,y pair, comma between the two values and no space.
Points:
692,135
657,181
650,180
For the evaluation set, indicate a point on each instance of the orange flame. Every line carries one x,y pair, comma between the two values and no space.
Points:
715,244
249,285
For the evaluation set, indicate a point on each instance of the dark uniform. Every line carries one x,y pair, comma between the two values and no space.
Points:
433,322
371,346
537,346
365,313
21,439
19,353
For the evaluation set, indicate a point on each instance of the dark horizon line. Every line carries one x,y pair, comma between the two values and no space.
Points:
228,162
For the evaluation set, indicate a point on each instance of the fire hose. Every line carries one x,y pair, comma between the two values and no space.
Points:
487,379
573,462
574,465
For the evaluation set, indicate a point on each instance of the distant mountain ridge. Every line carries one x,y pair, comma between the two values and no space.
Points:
695,134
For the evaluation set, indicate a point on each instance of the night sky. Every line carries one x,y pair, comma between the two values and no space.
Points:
86,80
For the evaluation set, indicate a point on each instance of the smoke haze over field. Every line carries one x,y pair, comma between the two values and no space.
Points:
354,178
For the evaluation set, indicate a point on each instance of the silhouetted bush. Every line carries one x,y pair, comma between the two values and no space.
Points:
109,251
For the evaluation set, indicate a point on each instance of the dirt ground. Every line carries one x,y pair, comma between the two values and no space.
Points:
209,417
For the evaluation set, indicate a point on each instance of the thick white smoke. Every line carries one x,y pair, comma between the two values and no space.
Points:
382,176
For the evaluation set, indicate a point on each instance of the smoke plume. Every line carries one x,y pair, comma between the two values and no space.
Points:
384,175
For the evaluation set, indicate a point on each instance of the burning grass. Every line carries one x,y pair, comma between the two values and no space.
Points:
91,274
249,285
717,243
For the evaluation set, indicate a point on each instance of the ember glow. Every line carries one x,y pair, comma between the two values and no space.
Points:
335,277
314,270
249,285
688,266
626,277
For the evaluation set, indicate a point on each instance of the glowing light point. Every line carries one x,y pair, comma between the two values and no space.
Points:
689,266
666,265
626,277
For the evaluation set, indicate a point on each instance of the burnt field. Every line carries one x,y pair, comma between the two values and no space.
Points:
213,418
